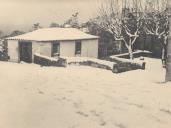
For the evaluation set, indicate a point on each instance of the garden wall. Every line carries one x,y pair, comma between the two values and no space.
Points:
48,61
123,65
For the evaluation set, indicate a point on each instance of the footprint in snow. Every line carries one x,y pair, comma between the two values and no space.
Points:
82,113
40,92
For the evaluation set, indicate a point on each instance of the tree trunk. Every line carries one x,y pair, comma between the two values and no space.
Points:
164,51
130,52
164,56
168,61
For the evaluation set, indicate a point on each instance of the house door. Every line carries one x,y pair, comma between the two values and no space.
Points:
25,51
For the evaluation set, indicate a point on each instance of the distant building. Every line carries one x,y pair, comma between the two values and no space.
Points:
52,42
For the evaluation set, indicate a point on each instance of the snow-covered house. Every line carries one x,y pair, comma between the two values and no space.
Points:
52,42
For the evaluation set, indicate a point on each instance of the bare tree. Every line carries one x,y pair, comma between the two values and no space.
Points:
124,25
16,33
157,24
36,26
72,21
132,25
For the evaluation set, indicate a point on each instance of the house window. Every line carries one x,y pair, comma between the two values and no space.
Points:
55,49
78,48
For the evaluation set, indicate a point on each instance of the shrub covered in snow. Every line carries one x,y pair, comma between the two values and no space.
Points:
3,50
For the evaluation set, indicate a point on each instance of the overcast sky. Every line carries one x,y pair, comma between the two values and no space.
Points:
22,14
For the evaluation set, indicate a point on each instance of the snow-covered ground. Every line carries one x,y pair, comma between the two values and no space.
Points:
83,97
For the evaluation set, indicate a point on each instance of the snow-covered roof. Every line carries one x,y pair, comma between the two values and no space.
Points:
54,34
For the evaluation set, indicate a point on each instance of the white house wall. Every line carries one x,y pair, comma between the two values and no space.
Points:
35,48
67,48
13,50
43,48
89,48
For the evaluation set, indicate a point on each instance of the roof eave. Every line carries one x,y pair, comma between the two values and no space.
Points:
55,40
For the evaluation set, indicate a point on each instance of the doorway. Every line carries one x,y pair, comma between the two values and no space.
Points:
25,49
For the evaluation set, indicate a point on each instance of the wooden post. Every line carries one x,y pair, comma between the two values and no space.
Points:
168,62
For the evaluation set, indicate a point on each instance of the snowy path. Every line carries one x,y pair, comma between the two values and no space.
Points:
83,97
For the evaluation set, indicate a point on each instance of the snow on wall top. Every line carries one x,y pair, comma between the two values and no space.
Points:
82,59
54,34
